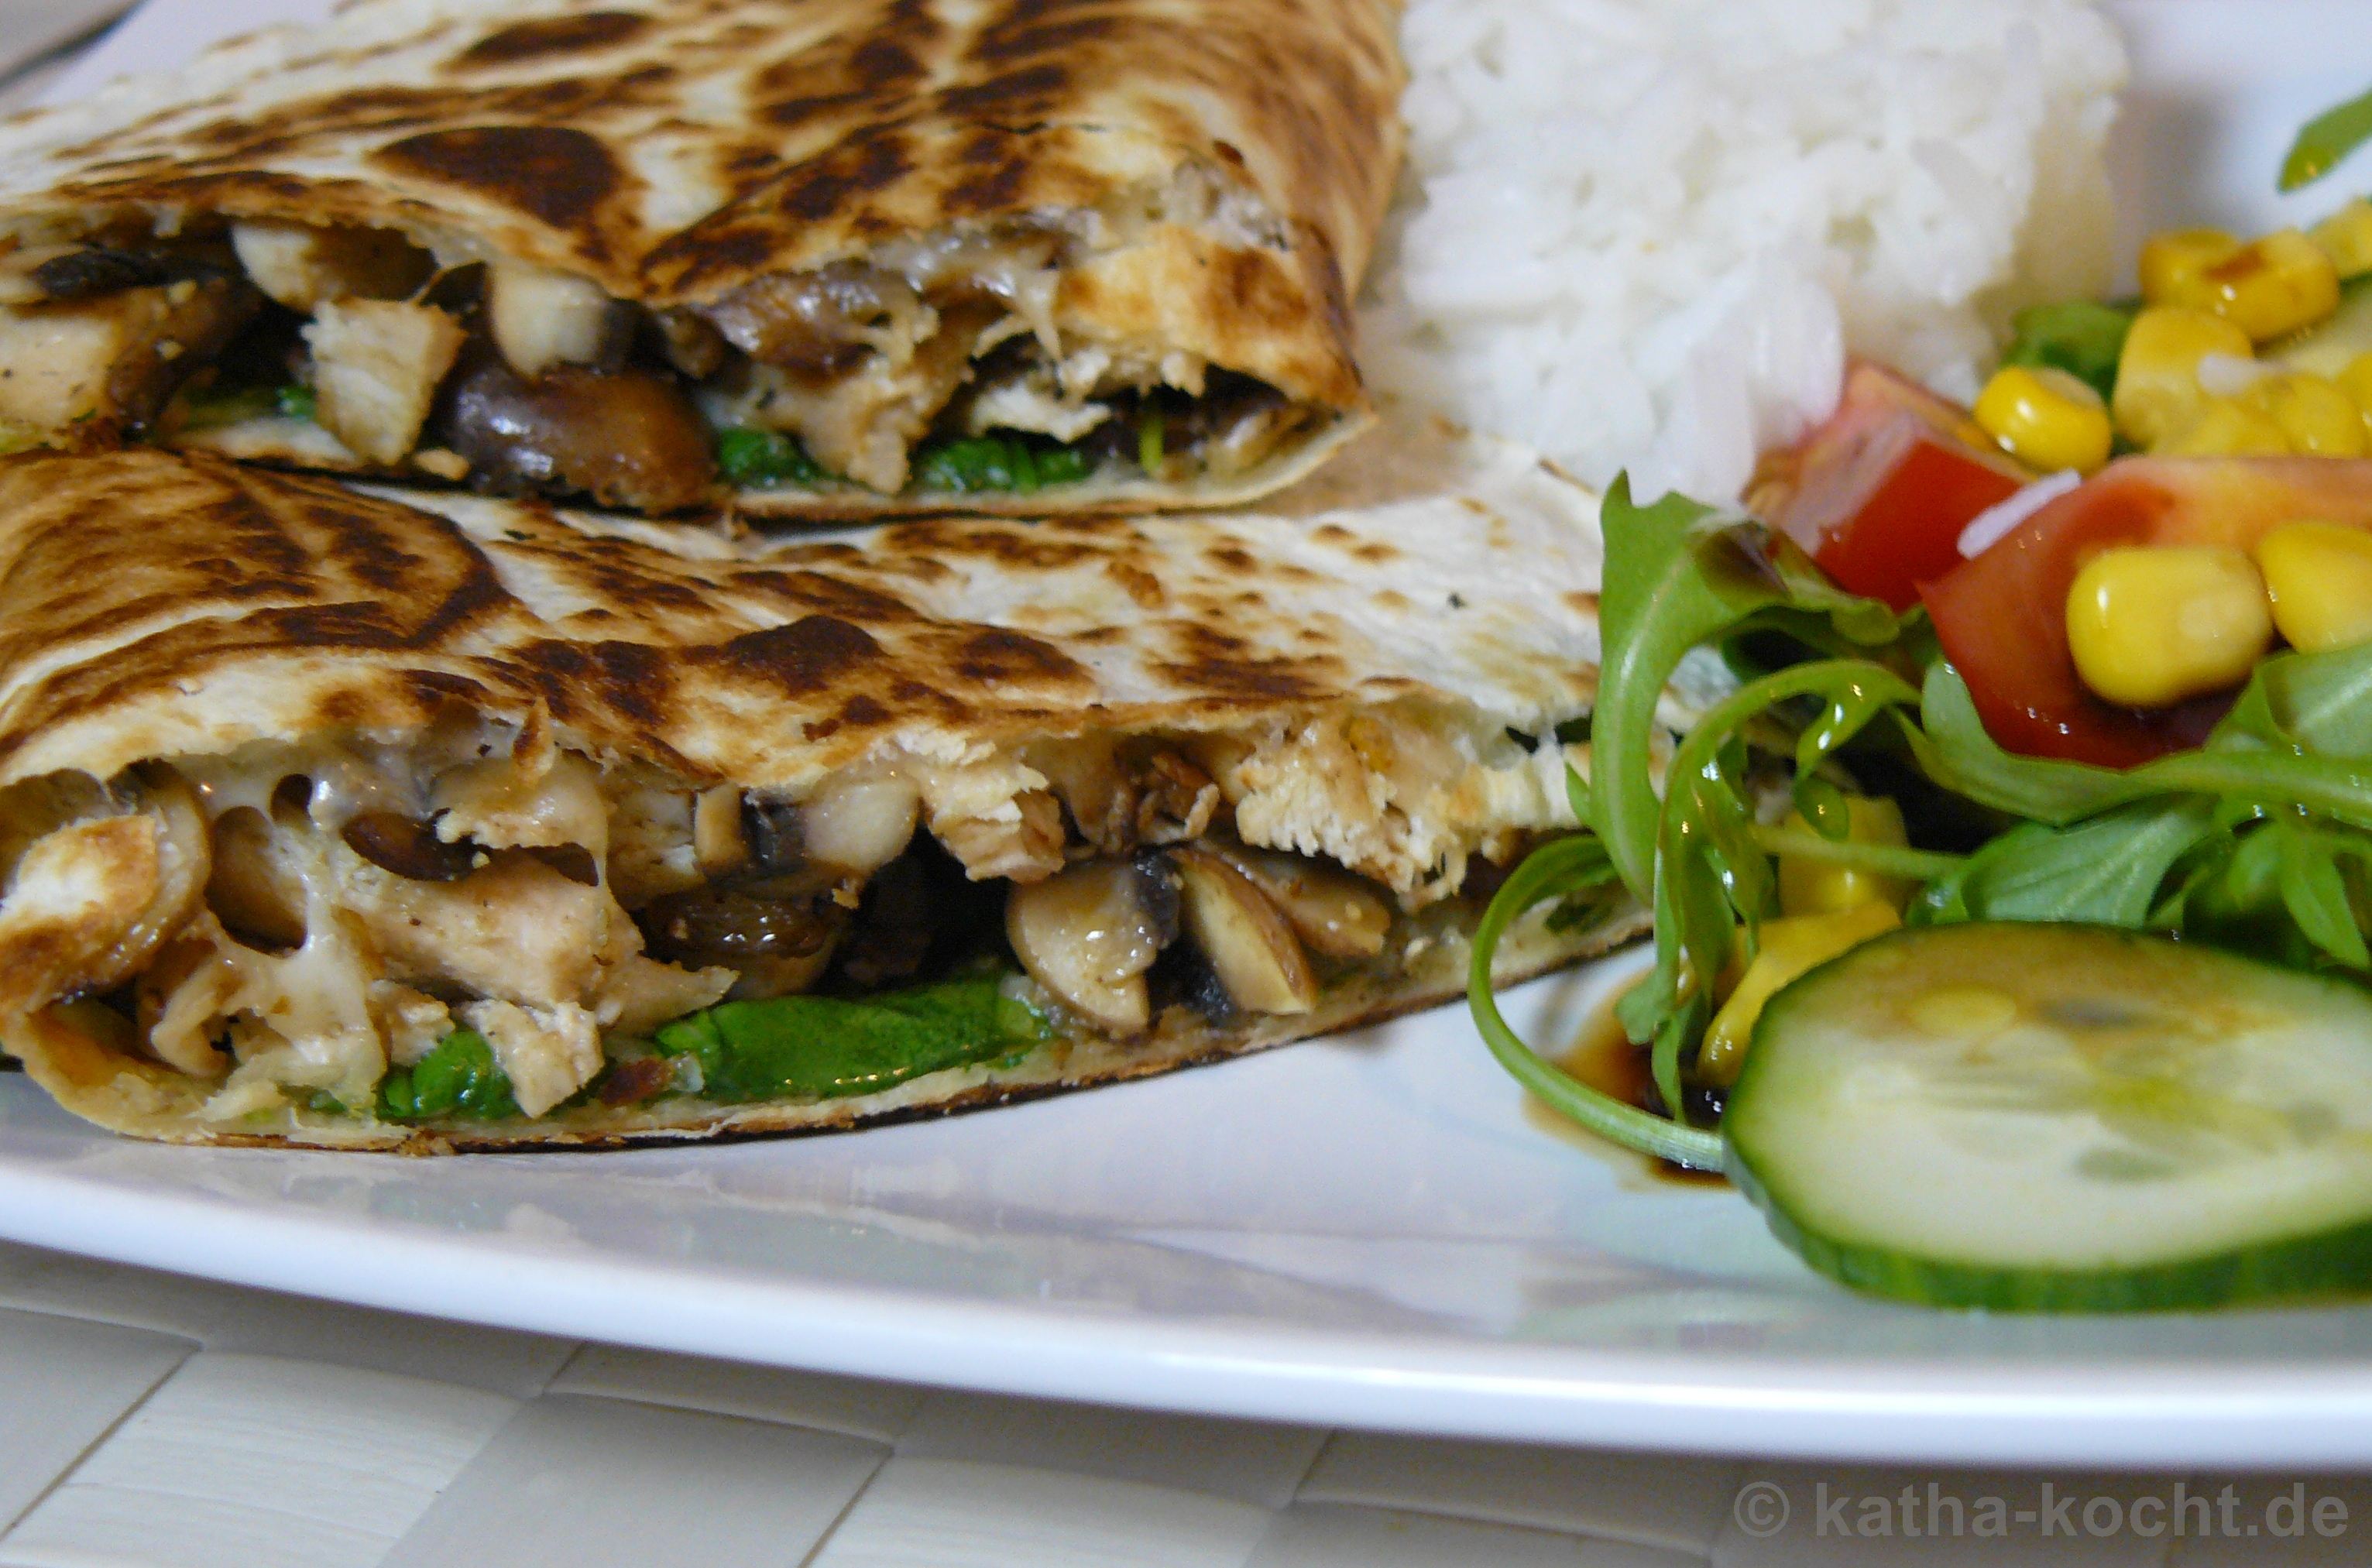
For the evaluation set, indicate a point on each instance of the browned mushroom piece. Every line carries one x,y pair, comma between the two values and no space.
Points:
1244,937
1335,913
628,439
777,935
1089,933
410,848
258,899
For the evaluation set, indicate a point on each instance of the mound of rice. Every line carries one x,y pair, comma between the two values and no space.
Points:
1644,233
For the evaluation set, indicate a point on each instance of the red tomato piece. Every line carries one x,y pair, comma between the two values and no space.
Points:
2001,617
1880,492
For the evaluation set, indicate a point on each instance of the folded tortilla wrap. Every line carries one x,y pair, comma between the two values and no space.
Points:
838,259
330,819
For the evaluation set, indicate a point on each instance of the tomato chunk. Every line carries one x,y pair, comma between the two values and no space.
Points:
1880,492
2001,617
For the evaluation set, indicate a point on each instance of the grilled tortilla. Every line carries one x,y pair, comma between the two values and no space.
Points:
830,259
332,820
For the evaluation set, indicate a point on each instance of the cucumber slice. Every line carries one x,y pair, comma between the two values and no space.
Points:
2330,345
2063,1117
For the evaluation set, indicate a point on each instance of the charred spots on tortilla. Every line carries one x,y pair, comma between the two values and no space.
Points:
544,38
557,174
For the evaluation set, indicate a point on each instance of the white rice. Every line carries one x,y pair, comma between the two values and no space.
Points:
1645,233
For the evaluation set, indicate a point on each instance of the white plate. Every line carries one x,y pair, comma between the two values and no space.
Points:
1364,1231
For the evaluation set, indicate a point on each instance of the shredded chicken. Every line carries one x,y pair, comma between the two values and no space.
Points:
547,1052
109,361
376,364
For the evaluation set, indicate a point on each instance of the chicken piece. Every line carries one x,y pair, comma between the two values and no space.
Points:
304,267
376,364
547,1052
546,798
411,1022
517,929
864,422
90,902
542,318
95,369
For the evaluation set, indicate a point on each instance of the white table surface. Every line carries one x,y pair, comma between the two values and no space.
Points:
147,1419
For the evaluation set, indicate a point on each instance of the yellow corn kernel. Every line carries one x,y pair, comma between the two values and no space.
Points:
1817,887
2355,380
2317,418
2171,264
2045,418
1788,948
2152,626
2347,237
2318,576
2225,427
2157,374
2270,287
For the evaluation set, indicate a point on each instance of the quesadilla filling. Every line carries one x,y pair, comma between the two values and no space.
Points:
933,368
481,925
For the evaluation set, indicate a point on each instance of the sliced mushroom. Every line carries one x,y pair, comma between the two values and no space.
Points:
1334,914
860,825
1089,933
1246,939
628,439
778,939
718,843
410,849
771,828
690,343
259,898
541,319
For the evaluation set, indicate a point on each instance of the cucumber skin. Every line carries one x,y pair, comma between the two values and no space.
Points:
2321,1263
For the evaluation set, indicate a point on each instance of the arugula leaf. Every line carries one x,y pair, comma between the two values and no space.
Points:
2081,337
1565,869
2325,140
459,1079
2107,870
827,1048
1678,574
1713,876
1001,463
764,459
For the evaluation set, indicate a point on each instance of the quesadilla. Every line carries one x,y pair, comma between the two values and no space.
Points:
831,259
439,821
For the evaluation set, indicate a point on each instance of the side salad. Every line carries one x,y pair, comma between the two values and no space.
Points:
2011,912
